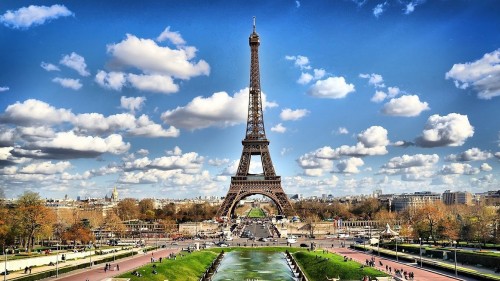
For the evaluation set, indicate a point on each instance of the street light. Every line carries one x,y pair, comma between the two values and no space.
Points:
5,264
455,259
397,249
90,254
420,239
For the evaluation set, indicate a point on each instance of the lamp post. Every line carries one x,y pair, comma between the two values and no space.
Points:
57,245
455,259
90,255
397,249
378,246
5,263
420,239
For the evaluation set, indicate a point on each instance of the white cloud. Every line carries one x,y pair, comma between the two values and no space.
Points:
350,166
132,103
218,110
319,73
68,141
297,3
379,96
301,62
473,154
314,166
147,128
407,161
173,36
459,169
33,15
374,79
33,111
76,62
332,88
379,9
342,131
483,75
450,130
406,106
287,114
111,80
485,167
70,83
46,168
305,78
49,66
153,83
278,128
218,162
147,56
497,155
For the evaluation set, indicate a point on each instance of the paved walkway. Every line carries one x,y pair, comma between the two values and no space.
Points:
420,274
96,273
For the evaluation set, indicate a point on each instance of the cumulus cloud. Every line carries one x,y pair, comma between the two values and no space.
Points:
76,62
46,168
305,78
33,15
350,165
405,106
380,96
417,167
301,62
218,162
86,146
450,130
374,79
485,167
49,66
111,80
218,110
332,88
483,75
459,169
288,114
153,83
172,36
69,83
314,166
132,104
146,128
146,55
410,7
279,128
342,131
33,111
473,154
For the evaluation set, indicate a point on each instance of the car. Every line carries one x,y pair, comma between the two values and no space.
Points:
303,245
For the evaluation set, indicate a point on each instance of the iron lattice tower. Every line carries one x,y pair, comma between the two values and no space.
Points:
244,184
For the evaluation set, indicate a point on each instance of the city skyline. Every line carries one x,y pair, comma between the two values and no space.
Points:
152,97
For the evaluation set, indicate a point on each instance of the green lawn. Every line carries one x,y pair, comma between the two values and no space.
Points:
317,265
256,213
189,267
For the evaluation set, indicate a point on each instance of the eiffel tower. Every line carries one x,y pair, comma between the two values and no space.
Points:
244,184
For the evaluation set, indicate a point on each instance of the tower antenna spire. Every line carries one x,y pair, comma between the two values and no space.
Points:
253,24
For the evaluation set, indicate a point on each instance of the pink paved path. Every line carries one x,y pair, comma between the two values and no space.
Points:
420,274
97,272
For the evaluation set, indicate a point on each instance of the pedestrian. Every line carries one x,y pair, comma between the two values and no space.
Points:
29,268
106,268
118,267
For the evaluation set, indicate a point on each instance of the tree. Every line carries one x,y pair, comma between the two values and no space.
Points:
366,209
114,224
146,209
127,209
427,219
31,217
78,232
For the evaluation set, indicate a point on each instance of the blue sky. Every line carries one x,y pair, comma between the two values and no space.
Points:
151,96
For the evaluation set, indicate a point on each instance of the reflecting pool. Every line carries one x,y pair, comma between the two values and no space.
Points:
253,266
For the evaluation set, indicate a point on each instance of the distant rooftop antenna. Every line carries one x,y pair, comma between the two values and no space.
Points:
254,24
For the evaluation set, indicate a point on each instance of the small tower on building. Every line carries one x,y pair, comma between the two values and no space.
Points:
114,195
